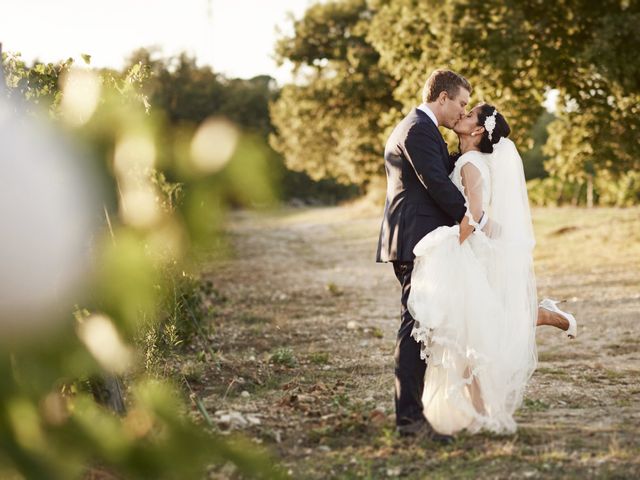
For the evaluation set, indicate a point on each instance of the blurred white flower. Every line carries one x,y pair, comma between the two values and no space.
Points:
134,156
139,206
80,94
100,336
213,144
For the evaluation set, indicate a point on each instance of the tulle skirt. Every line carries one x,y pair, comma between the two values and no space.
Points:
475,321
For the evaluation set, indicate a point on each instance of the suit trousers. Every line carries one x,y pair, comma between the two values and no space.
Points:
409,367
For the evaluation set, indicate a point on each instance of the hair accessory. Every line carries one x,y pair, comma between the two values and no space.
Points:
490,122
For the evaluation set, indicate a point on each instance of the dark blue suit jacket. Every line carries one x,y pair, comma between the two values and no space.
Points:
420,195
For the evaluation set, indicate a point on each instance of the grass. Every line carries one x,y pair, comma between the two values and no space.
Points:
333,289
319,358
535,405
249,319
284,356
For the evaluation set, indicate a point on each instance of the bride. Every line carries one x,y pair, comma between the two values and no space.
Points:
475,303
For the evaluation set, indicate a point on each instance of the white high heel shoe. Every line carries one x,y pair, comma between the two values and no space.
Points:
551,305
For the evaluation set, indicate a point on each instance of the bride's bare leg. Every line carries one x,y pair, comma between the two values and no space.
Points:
476,396
475,393
546,317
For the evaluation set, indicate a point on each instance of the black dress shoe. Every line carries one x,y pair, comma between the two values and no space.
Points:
423,430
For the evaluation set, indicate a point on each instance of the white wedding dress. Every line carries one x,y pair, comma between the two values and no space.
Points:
475,304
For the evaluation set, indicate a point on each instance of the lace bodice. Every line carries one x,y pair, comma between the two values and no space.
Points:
472,176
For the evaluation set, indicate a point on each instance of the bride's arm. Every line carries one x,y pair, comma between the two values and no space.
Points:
472,183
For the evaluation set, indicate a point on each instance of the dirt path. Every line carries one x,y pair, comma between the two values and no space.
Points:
305,334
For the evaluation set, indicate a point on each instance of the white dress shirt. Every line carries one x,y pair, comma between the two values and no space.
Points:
428,111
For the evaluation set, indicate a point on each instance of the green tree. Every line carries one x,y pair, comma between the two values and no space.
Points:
180,88
485,41
512,52
187,94
190,93
328,124
246,102
533,159
590,64
37,83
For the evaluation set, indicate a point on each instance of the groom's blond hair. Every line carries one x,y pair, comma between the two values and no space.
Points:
443,81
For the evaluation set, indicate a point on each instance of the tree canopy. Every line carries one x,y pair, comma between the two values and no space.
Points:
329,123
364,64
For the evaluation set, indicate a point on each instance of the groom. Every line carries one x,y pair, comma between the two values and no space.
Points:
420,198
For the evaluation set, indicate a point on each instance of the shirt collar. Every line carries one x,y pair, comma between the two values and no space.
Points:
423,107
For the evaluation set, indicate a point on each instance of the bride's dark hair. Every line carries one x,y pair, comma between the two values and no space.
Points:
500,130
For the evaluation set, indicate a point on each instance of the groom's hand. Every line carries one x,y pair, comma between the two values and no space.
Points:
465,229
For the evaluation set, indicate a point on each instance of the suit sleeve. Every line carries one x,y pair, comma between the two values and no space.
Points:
421,149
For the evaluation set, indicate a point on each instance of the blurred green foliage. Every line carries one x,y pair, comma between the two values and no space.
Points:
37,84
50,427
362,63
187,92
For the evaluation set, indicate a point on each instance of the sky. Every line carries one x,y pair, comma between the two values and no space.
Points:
234,37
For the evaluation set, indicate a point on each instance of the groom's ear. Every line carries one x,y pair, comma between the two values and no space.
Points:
443,97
